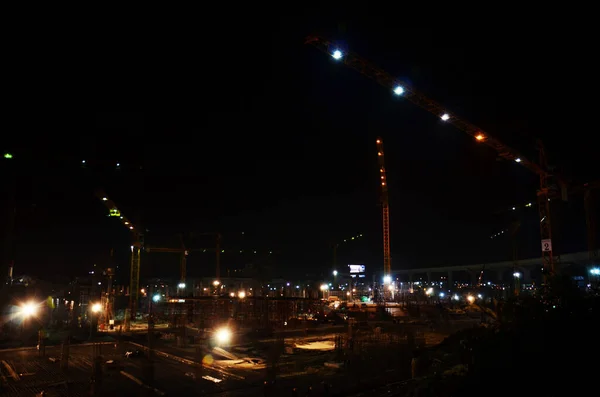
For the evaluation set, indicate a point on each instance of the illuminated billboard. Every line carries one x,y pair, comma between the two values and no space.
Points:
356,268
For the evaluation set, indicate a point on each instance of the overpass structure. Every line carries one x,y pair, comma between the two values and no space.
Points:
530,269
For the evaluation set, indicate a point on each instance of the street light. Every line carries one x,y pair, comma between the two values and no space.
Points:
223,336
28,309
95,308
324,287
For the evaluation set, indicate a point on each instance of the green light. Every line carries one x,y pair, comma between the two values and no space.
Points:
7,156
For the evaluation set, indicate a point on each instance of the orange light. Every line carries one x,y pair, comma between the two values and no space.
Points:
379,153
382,183
382,177
378,141
479,137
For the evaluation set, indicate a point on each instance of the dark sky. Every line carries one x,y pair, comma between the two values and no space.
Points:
248,130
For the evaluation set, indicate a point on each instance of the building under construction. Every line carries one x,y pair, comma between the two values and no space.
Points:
256,312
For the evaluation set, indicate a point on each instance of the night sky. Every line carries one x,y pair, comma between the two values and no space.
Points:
269,137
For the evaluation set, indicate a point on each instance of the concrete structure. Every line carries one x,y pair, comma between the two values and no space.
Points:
529,269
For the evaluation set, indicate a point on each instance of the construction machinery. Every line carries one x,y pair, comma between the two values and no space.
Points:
335,247
385,212
184,252
551,186
137,244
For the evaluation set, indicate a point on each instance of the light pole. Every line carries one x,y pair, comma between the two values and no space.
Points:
517,282
95,308
27,310
324,287
595,273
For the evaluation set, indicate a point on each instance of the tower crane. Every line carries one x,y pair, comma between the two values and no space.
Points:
385,212
137,244
551,185
183,253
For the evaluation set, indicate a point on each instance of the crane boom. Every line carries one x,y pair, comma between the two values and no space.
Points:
385,211
383,78
547,190
137,243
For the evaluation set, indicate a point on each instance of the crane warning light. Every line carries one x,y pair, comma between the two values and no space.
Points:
445,117
480,137
399,90
337,54
104,199
114,212
8,156
518,160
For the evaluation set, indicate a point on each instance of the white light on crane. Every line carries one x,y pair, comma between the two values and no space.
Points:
399,90
337,54
445,117
518,160
387,279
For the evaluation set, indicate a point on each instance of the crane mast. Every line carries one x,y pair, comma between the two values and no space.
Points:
385,211
137,244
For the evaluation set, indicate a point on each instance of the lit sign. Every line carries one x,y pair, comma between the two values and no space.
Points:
357,268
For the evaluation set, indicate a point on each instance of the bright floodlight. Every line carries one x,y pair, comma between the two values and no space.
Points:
445,117
324,287
181,285
442,294
29,309
335,272
223,335
471,298
518,160
337,54
517,275
387,279
96,307
216,282
156,298
399,90
241,295
595,271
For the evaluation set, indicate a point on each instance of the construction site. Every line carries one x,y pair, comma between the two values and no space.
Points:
344,332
